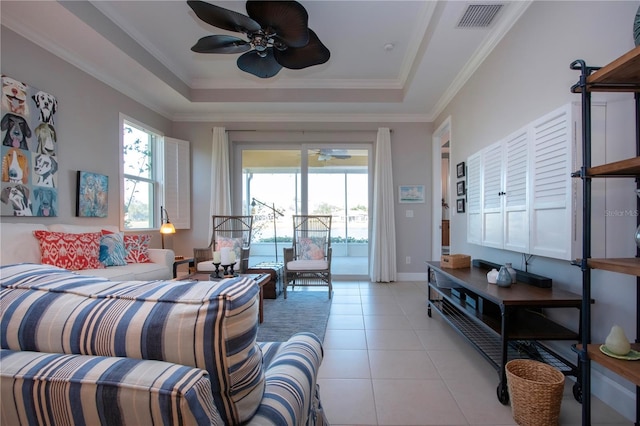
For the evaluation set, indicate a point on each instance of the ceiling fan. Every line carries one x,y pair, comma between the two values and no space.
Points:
329,154
277,31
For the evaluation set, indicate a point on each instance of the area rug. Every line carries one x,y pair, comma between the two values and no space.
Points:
300,311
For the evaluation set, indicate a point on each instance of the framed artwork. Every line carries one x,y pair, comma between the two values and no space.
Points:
460,188
460,205
411,194
29,150
91,200
460,170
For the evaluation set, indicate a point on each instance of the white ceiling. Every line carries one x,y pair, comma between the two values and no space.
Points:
142,48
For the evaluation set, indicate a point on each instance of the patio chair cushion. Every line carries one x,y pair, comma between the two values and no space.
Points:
307,265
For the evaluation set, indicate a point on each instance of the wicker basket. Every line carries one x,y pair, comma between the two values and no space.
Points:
535,390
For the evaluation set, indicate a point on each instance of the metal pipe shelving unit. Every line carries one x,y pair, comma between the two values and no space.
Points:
621,75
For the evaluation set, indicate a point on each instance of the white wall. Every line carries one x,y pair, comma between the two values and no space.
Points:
86,124
526,76
410,148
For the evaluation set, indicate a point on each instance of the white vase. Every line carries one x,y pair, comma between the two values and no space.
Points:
617,341
492,276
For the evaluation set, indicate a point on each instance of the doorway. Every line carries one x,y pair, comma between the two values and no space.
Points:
308,179
441,189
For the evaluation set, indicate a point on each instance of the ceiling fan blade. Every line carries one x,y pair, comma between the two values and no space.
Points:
314,53
223,18
221,44
338,154
261,67
289,20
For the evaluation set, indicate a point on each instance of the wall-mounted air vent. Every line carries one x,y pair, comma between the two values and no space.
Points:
479,15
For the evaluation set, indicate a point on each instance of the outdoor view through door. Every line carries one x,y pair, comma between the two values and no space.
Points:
280,183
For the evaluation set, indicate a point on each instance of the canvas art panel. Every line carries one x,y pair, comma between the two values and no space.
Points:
91,200
29,152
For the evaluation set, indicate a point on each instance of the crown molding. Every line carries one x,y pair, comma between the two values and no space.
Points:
301,117
307,83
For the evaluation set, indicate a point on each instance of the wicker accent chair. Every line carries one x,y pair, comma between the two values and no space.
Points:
228,231
308,261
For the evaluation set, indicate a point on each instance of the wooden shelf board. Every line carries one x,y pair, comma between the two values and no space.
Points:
630,266
630,370
628,167
621,75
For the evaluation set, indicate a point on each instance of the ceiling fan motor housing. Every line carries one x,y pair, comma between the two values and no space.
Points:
282,25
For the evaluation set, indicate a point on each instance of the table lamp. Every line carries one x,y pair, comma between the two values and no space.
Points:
166,227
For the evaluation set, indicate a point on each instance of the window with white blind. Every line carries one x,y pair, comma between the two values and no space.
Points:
155,173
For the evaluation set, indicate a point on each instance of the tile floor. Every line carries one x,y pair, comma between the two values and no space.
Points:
387,363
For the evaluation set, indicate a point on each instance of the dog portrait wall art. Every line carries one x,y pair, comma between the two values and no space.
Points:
29,151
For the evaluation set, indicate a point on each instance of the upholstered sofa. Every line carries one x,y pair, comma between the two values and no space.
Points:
19,245
85,350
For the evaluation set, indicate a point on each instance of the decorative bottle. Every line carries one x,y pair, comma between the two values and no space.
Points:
512,272
504,277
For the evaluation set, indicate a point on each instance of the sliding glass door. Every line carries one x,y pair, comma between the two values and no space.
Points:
279,183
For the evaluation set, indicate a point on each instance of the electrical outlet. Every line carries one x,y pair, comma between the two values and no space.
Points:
408,260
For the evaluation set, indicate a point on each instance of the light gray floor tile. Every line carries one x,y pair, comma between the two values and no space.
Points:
388,363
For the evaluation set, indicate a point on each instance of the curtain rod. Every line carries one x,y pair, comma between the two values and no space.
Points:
304,131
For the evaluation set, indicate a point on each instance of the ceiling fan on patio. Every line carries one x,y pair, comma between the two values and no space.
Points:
277,31
330,154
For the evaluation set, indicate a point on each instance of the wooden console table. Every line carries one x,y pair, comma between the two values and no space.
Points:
260,279
502,323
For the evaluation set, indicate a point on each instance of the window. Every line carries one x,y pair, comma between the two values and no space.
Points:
141,175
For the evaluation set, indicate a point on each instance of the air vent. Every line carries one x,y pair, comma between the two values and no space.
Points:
479,15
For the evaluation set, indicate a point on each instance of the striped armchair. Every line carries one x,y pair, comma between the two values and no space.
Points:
84,350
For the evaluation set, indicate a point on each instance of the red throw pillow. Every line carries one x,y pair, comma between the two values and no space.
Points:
70,251
137,247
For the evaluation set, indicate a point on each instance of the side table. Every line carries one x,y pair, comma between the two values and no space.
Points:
181,260
275,270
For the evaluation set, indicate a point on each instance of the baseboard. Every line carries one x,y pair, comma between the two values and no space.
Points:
613,394
403,276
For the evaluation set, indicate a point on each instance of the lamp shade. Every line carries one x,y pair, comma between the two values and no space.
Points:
167,228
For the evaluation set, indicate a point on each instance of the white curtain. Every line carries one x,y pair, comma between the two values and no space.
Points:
382,267
220,178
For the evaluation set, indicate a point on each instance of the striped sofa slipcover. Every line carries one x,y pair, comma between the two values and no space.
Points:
85,350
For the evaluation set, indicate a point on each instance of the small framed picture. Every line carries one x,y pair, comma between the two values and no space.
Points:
411,194
460,188
460,170
460,205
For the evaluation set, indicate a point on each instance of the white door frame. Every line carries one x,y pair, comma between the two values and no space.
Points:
443,131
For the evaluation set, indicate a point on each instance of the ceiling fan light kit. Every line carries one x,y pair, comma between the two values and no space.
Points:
277,31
